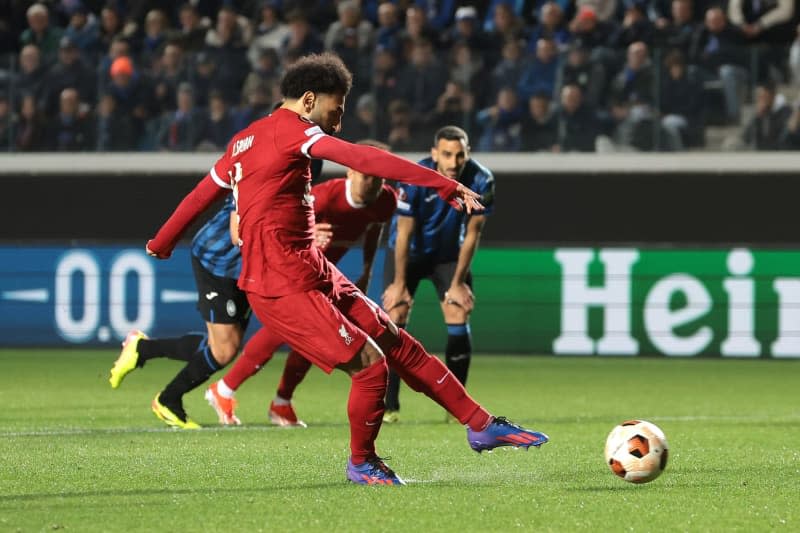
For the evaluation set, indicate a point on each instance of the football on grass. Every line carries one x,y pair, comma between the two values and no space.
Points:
636,451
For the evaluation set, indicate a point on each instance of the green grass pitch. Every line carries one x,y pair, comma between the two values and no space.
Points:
78,456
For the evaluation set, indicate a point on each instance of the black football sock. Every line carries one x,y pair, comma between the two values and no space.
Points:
458,352
392,399
178,348
196,372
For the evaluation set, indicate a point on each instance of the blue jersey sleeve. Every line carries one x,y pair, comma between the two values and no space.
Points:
407,200
484,185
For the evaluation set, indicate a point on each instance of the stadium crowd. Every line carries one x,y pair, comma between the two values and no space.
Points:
518,75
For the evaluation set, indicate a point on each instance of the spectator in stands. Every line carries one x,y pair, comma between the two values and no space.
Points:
302,38
604,10
790,139
170,72
509,70
539,74
719,49
680,104
551,25
132,92
507,25
467,30
765,22
204,78
269,32
30,126
7,124
595,35
579,69
399,136
455,106
191,31
117,129
467,68
70,130
794,59
577,124
84,31
422,81
353,43
70,71
635,81
120,47
635,27
677,32
349,13
257,104
522,10
156,32
767,129
227,43
416,29
385,77
364,124
219,124
501,123
41,32
110,27
438,13
539,125
387,34
180,130
266,72
32,74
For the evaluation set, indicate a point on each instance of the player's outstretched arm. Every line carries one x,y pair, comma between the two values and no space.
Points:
202,196
377,162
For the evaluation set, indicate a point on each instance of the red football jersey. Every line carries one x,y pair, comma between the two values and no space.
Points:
267,165
334,204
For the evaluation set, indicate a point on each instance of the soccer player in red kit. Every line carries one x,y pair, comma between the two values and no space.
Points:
297,293
347,210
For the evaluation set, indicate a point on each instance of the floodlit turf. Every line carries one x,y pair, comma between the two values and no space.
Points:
76,455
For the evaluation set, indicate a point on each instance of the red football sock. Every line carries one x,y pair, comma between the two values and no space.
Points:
294,371
365,410
256,353
427,374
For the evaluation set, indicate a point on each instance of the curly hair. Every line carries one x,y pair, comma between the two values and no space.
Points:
319,73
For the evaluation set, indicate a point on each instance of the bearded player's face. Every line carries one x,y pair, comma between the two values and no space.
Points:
327,112
450,157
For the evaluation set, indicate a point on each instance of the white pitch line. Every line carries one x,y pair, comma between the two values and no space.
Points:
731,418
112,431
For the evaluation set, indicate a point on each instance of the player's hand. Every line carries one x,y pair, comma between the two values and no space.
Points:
155,253
396,295
461,295
323,233
465,198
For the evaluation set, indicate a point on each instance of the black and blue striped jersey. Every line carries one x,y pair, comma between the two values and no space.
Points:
212,245
439,229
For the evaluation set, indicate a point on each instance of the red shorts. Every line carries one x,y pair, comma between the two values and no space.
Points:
326,326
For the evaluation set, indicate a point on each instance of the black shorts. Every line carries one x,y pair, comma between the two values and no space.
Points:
219,300
440,274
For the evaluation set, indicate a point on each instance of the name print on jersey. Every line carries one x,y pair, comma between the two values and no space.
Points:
242,145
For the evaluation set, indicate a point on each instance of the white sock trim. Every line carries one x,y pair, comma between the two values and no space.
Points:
281,401
224,390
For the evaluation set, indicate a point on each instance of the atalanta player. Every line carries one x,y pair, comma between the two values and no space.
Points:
431,240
